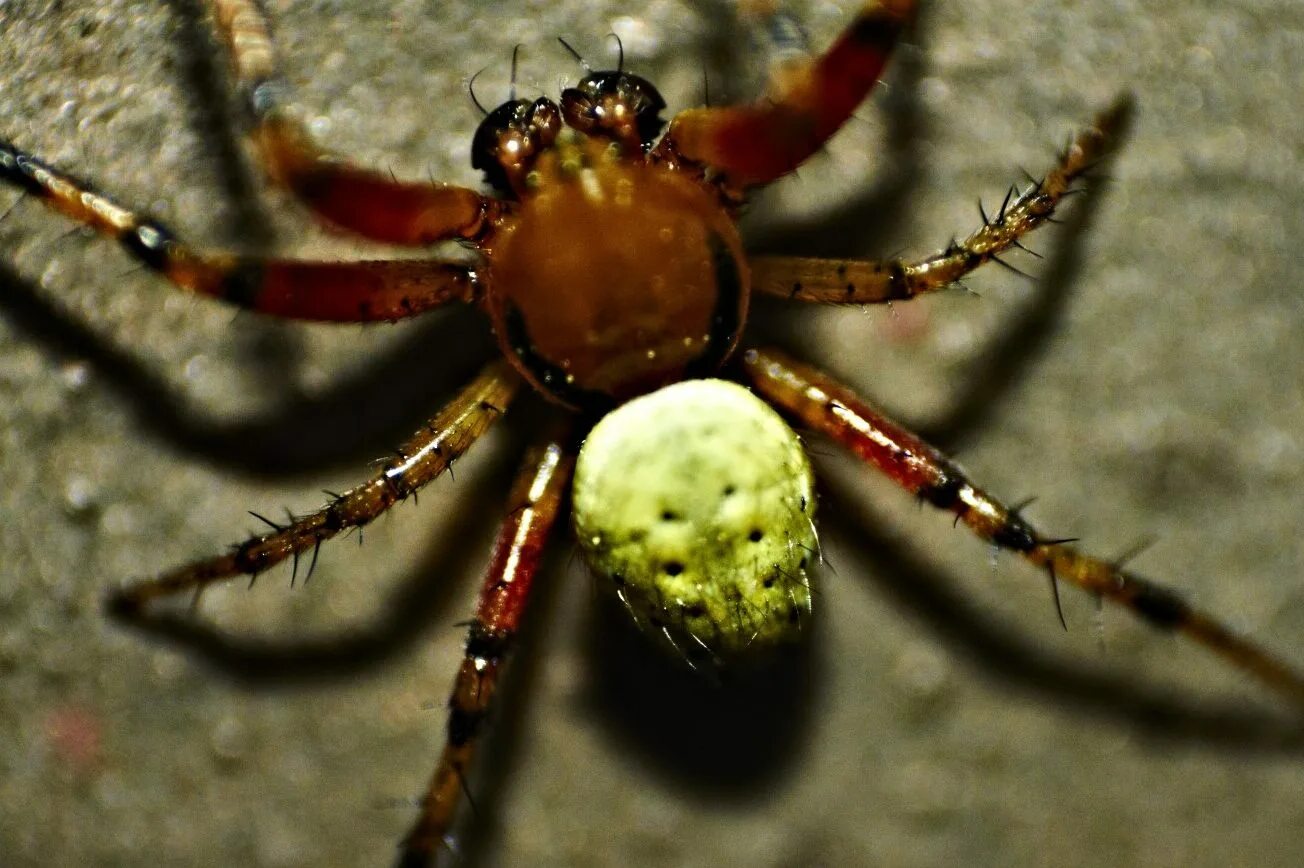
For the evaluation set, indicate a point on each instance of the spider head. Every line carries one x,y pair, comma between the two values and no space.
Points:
510,138
615,105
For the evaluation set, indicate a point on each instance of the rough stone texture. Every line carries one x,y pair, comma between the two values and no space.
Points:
1149,387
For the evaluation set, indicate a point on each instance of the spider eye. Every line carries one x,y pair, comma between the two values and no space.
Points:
617,104
510,137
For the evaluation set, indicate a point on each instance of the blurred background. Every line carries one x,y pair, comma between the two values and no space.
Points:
1146,387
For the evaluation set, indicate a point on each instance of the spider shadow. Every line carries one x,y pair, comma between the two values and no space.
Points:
263,344
906,579
738,736
732,738
716,736
209,101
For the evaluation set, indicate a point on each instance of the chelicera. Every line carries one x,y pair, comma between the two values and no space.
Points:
611,268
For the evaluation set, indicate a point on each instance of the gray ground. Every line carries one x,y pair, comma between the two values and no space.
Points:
1149,387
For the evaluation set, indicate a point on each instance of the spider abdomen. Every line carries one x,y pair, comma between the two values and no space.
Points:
615,277
694,505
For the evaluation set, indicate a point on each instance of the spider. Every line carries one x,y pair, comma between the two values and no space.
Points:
551,163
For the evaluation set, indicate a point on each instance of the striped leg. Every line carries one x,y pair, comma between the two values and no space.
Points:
370,204
535,500
807,103
832,409
329,291
425,456
847,281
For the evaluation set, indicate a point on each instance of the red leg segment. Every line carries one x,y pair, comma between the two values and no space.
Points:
819,402
535,501
368,203
328,291
425,456
806,104
846,281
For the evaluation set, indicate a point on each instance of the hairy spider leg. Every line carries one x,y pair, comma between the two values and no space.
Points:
850,281
806,103
370,204
536,498
424,456
324,291
820,403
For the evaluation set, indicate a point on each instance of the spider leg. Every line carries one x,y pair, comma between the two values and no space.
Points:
370,204
534,503
848,281
423,457
834,410
330,291
807,102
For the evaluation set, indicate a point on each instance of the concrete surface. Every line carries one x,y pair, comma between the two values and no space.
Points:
1148,387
